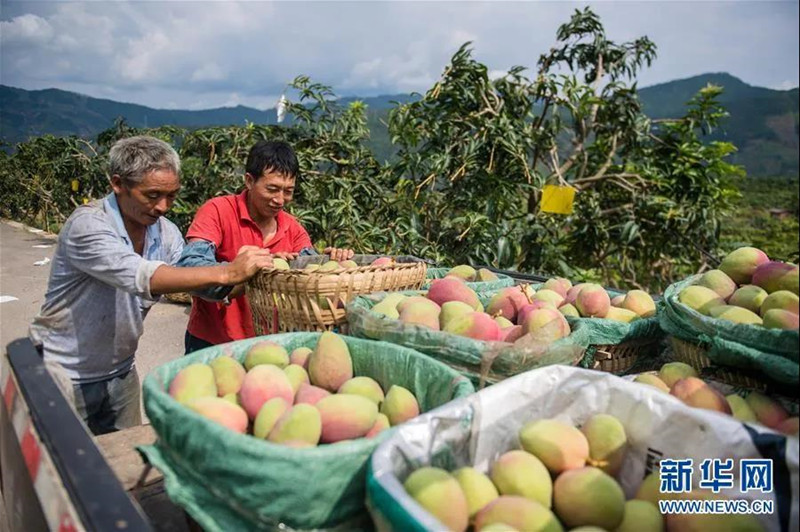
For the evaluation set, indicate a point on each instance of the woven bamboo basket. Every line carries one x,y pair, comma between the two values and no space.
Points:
619,358
300,300
696,356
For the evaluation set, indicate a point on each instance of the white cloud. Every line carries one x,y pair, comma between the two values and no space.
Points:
25,30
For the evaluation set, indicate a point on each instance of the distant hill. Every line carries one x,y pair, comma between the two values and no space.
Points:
763,123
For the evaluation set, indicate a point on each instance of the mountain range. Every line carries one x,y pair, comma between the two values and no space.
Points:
763,123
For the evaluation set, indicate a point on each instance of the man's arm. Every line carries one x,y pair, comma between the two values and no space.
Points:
200,252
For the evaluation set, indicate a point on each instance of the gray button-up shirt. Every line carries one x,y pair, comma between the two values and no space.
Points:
99,291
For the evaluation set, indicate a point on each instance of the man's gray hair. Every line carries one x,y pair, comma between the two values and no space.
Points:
135,157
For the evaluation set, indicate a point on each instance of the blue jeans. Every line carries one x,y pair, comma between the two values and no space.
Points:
109,405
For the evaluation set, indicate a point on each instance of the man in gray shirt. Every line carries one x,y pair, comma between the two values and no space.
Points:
112,262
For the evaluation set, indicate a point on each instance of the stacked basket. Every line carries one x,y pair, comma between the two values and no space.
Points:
303,300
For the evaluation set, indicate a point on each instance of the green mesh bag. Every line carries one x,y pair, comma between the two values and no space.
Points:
228,481
482,362
772,352
479,286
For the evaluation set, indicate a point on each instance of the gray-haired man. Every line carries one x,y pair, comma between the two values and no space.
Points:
111,264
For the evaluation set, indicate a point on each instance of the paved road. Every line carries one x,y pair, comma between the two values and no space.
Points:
20,249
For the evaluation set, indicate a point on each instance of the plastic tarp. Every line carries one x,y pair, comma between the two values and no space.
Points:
476,430
502,280
229,481
773,352
481,361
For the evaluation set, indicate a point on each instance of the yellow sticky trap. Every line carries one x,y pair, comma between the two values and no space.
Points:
557,199
75,185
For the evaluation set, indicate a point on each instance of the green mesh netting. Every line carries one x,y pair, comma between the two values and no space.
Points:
773,352
228,481
479,286
482,362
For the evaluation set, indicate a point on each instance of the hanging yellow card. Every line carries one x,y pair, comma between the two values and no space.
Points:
557,199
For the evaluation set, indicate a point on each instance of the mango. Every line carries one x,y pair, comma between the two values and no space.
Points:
261,384
641,516
418,313
400,405
781,319
652,380
593,301
266,352
228,375
345,417
572,293
672,372
558,445
546,325
499,527
526,310
695,392
486,275
616,301
621,315
650,489
521,473
232,398
735,315
382,261
588,497
365,387
300,356
749,296
387,308
789,426
782,300
330,364
449,289
507,303
301,423
417,300
348,264
700,298
559,285
639,302
451,310
280,264
297,376
309,394
511,334
195,380
502,322
767,411
741,263
440,494
464,272
569,311
517,513
475,325
269,414
329,266
740,409
220,411
719,282
312,267
477,488
381,424
774,276
549,296
607,442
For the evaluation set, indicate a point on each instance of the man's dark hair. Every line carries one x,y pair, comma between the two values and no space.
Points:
272,156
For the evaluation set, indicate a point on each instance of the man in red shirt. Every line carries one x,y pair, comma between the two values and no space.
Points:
255,217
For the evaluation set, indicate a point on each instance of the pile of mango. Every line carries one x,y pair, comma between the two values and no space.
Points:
590,300
467,273
562,478
331,265
300,399
748,288
682,381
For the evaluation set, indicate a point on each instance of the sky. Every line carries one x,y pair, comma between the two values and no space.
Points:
202,54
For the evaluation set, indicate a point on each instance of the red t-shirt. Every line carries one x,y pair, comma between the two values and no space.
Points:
225,222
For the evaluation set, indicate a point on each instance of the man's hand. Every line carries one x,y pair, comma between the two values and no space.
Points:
338,254
285,255
249,261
